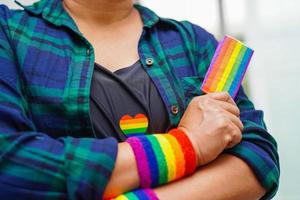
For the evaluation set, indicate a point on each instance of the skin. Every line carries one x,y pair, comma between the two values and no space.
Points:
226,178
106,24
211,121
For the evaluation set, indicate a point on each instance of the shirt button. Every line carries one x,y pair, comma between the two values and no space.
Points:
88,52
174,109
149,61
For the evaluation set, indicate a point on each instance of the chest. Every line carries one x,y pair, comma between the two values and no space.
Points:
115,47
115,53
58,82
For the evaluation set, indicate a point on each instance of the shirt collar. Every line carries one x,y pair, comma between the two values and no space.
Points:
149,17
53,11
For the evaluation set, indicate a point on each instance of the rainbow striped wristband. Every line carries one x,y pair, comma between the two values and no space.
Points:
162,158
140,194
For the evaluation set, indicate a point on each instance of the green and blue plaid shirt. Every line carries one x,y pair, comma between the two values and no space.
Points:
48,148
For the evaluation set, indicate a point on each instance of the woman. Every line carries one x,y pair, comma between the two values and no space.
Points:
67,79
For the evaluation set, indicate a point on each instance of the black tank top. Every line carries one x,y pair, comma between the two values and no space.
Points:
127,91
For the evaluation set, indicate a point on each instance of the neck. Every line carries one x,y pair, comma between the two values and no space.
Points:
101,12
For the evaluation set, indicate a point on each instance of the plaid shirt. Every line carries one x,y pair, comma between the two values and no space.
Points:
48,148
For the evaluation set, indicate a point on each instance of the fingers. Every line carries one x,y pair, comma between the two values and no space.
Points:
237,128
235,138
236,121
223,105
229,108
217,105
222,96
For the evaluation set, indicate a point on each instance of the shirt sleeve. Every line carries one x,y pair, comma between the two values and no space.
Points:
34,165
257,148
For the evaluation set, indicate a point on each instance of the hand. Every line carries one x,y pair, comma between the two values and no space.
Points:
212,123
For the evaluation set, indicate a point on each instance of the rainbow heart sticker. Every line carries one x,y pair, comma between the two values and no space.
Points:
134,126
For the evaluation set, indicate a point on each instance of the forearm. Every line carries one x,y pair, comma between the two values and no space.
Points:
149,161
125,174
228,177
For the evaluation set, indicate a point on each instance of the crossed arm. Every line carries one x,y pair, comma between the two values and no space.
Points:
246,171
227,177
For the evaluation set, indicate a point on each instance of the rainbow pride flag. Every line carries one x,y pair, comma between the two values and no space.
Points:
228,67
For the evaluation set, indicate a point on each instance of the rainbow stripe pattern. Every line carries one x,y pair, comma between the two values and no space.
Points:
141,194
228,67
162,158
134,126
